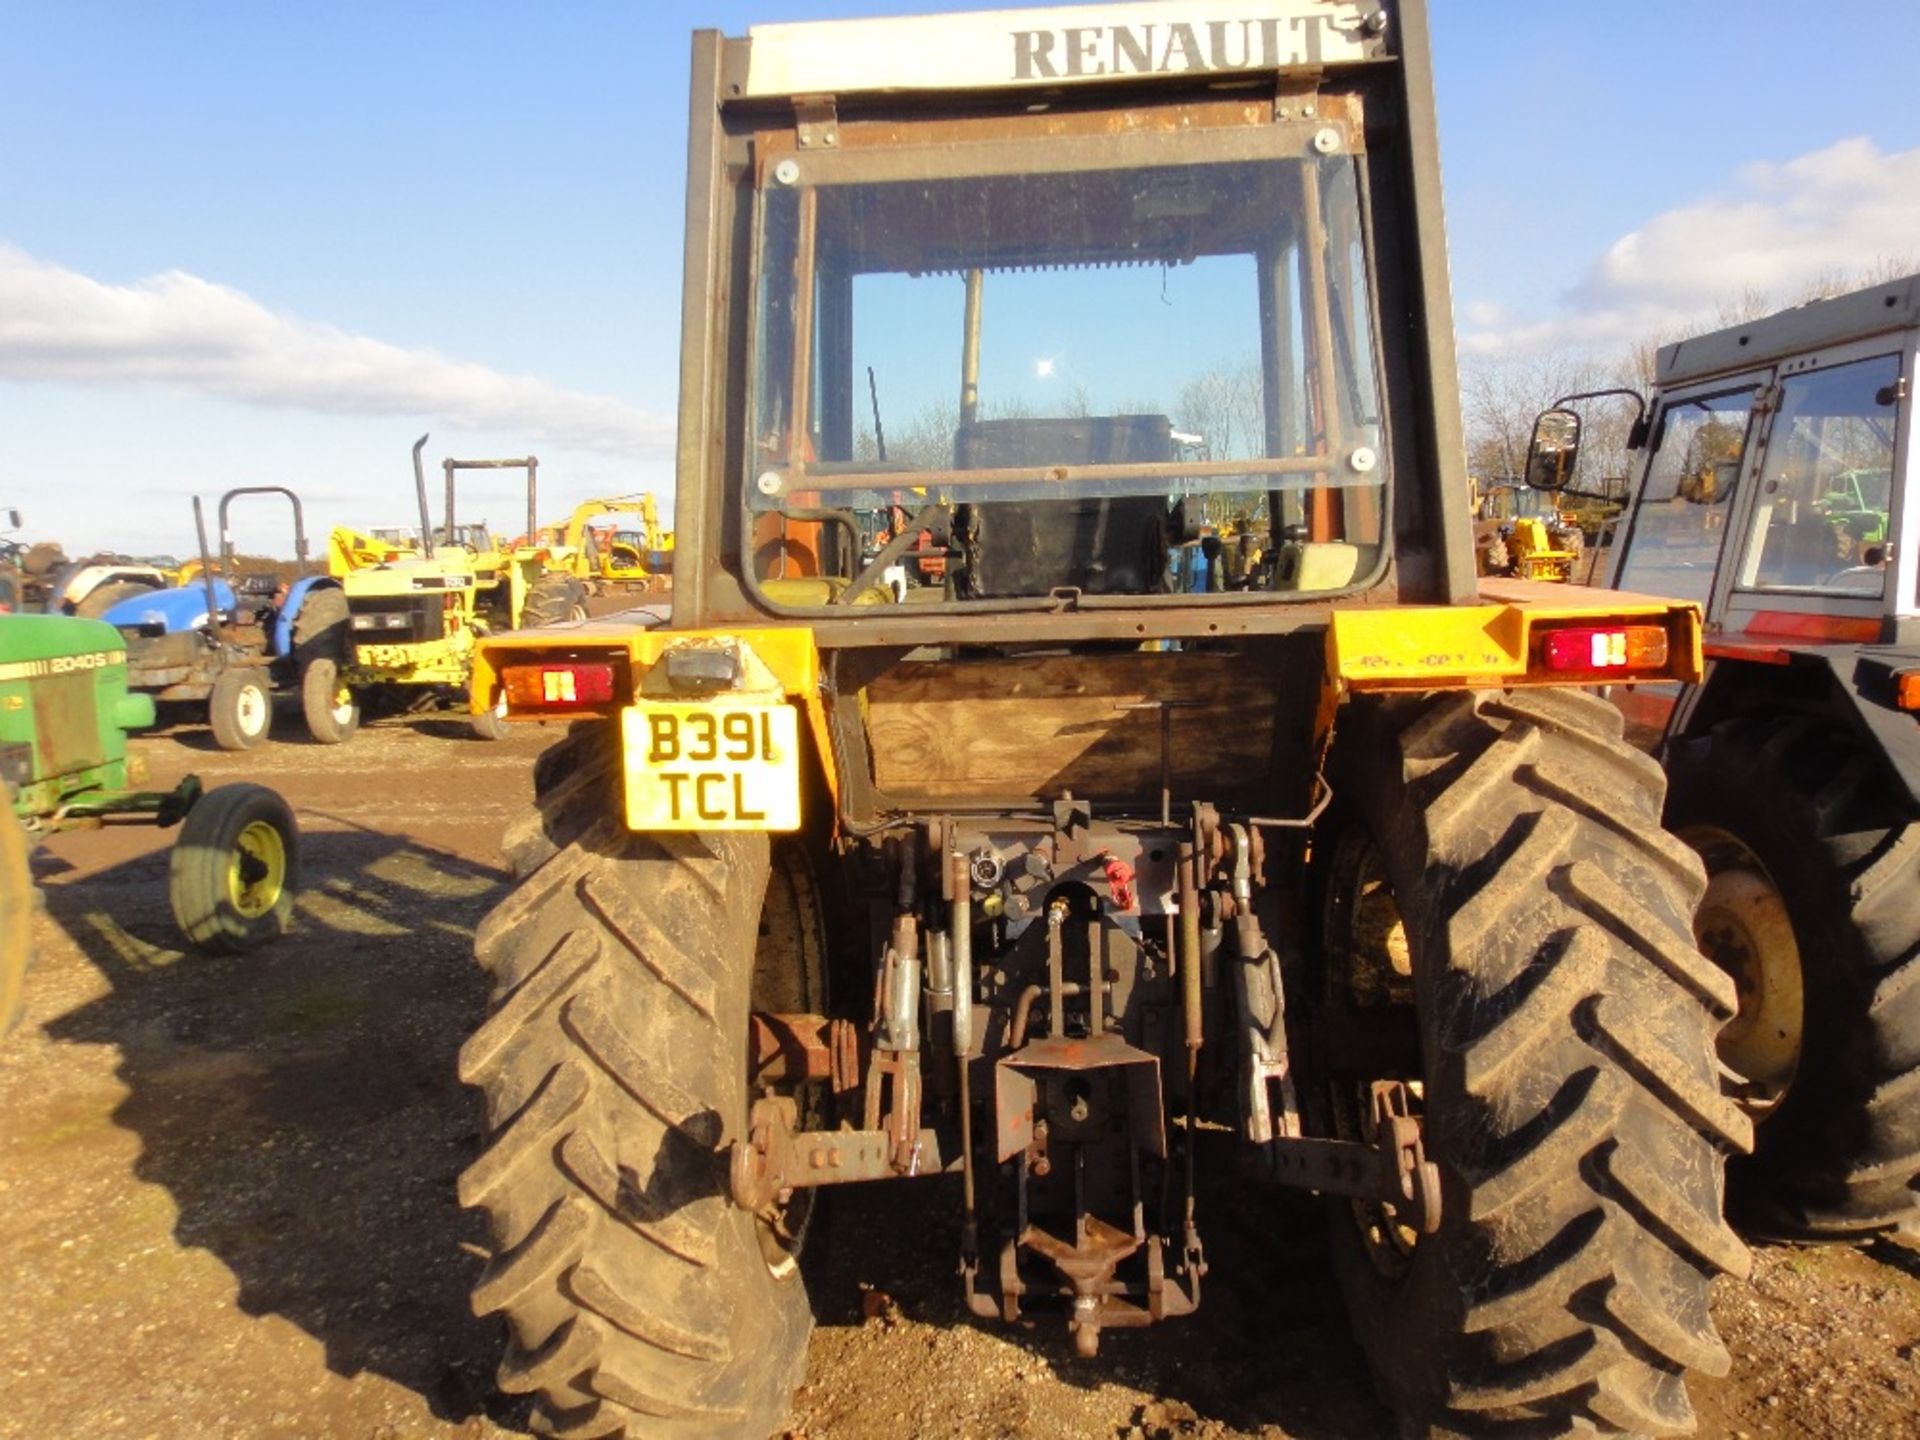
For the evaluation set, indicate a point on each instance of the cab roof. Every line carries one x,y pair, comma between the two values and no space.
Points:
1876,310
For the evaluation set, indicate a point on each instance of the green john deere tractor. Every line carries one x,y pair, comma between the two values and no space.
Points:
65,711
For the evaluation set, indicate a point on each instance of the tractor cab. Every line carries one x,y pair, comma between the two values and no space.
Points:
1777,486
1773,483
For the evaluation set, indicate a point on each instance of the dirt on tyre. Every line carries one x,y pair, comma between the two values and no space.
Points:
1799,824
552,600
639,1300
235,869
322,627
332,713
18,901
102,598
240,709
1559,1049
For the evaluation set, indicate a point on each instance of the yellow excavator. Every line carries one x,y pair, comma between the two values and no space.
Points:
594,546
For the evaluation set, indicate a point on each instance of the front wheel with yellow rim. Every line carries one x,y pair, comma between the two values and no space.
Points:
331,708
1812,851
235,870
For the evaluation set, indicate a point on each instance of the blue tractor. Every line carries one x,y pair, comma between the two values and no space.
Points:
238,642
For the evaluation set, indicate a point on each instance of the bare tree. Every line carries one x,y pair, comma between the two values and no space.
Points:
1501,397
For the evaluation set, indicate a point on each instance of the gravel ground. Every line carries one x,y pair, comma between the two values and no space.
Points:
229,1188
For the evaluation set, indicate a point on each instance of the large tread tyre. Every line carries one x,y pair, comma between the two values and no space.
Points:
1566,1026
18,902
322,628
553,599
332,712
102,598
235,870
639,1300
240,709
1839,1156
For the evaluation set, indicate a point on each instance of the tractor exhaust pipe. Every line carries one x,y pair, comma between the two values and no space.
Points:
206,569
420,492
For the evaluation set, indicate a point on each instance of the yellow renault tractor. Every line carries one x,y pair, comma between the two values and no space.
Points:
417,605
1115,903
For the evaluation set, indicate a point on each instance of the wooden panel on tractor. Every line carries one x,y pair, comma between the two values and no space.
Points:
948,731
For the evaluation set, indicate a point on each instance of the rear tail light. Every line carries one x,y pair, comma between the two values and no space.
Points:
1906,690
1604,649
562,686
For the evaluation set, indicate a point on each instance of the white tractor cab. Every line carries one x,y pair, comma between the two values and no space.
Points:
1777,487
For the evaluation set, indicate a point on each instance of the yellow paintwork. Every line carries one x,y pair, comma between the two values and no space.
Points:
746,781
445,661
1447,647
1369,648
349,550
780,662
256,895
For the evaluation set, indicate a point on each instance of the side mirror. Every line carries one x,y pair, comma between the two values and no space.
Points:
13,519
1552,452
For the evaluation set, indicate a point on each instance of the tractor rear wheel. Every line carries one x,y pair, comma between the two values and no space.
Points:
1813,907
1501,859
322,641
639,1300
553,599
240,709
102,598
322,627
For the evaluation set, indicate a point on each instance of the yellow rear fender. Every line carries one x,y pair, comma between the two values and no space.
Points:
1522,633
607,668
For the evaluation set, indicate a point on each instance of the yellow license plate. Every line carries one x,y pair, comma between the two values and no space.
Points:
716,765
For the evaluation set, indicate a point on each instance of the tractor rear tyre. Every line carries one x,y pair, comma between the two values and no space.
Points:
1568,1087
235,870
553,599
639,1300
331,710
102,598
1813,906
18,901
322,628
240,710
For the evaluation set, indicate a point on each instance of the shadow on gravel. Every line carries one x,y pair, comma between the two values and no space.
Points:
1897,1254
300,1104
1268,1346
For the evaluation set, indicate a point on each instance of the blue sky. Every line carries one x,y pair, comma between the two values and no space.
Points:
400,217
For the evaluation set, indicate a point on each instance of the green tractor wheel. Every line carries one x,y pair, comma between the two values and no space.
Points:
235,869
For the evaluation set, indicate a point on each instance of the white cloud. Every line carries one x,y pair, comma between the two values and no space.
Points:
1774,230
184,333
